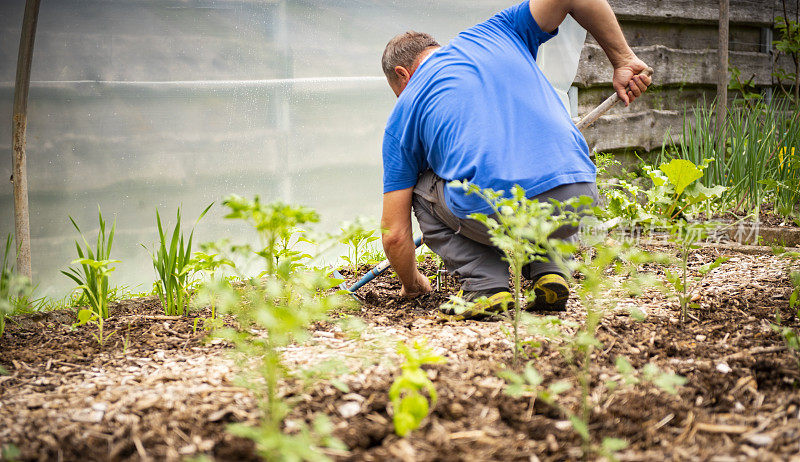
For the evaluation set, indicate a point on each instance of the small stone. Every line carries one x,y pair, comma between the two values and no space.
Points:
563,425
103,407
724,368
760,440
349,409
700,338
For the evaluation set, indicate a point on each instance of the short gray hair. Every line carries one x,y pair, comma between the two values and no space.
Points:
404,50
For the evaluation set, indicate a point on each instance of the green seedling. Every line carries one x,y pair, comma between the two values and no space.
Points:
357,235
95,265
207,262
686,236
522,228
275,224
272,312
675,192
579,343
88,316
406,393
14,289
171,262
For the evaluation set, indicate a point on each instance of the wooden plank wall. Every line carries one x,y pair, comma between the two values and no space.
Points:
678,38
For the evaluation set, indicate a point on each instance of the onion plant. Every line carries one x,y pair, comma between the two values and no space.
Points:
759,161
92,278
171,262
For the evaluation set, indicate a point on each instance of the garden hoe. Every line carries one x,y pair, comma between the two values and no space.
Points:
372,274
585,122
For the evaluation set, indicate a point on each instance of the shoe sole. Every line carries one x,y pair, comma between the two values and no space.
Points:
550,296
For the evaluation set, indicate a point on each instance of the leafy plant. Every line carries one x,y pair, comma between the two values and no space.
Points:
788,43
14,288
758,161
409,404
747,89
172,264
676,190
208,261
521,229
579,343
357,235
87,316
272,312
275,224
95,265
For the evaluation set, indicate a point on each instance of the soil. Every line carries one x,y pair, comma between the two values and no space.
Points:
161,389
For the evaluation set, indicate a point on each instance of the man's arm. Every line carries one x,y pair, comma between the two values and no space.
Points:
398,242
597,17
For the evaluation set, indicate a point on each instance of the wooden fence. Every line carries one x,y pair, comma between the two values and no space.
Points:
678,38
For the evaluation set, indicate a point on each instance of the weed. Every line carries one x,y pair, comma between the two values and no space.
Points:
409,404
171,262
95,265
10,453
208,261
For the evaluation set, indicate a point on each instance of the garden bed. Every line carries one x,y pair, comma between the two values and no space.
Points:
158,389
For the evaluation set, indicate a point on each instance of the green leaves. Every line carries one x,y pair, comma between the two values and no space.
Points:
172,264
676,190
410,406
13,288
276,223
95,265
681,173
357,235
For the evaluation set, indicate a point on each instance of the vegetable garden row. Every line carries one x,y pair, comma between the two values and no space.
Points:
671,347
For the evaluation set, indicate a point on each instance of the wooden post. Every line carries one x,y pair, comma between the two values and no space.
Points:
722,71
19,175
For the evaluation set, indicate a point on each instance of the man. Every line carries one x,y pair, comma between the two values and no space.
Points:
479,109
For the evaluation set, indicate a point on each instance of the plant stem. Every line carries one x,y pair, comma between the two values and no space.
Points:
517,308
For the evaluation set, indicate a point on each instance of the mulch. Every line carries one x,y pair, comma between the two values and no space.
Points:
161,389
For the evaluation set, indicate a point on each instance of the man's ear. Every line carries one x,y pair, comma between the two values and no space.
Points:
403,75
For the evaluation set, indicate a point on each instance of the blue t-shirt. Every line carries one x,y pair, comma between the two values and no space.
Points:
479,109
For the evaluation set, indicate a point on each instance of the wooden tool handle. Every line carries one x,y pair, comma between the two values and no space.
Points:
591,117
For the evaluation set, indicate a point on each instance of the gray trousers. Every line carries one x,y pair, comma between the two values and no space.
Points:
464,244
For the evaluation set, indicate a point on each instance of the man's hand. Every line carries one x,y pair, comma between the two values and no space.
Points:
420,286
627,82
399,244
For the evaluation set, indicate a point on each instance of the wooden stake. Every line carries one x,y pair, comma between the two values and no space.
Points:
19,176
722,71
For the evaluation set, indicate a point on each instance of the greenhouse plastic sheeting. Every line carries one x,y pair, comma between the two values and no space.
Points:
138,104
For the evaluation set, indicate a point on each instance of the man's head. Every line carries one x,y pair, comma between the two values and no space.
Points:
403,55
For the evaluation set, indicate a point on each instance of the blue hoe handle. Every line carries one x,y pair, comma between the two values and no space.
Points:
378,270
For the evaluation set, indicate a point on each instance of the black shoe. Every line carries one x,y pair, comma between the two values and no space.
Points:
552,293
479,304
